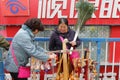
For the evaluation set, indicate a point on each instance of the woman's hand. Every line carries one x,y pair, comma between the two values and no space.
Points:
52,56
73,43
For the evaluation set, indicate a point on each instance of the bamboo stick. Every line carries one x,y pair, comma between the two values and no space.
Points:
65,63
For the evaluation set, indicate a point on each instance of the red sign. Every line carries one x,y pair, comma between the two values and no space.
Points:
107,12
15,7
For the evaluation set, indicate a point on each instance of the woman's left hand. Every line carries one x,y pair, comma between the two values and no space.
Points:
73,43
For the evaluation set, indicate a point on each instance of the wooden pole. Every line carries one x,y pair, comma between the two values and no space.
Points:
65,62
65,67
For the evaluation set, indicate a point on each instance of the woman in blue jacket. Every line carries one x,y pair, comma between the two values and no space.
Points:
24,47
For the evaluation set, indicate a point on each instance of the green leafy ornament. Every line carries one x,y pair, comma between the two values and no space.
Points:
85,11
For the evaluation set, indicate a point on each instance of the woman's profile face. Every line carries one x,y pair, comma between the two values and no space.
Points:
63,28
36,31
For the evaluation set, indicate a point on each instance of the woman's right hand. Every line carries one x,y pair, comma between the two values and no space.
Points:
52,56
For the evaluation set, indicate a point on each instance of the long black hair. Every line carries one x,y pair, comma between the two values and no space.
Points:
63,20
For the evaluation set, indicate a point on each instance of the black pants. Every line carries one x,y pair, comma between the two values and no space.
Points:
15,76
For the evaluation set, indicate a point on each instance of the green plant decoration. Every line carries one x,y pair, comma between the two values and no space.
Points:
85,11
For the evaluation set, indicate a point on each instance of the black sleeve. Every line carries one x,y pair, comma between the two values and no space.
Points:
78,42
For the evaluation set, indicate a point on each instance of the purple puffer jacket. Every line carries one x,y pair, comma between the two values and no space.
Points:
55,42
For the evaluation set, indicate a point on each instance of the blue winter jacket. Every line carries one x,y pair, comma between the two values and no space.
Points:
24,48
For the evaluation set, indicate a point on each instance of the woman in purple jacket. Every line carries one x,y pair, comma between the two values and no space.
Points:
64,31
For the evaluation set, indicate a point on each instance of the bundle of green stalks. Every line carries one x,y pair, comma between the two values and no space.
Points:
85,11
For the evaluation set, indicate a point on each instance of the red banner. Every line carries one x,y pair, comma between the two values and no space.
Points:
107,12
